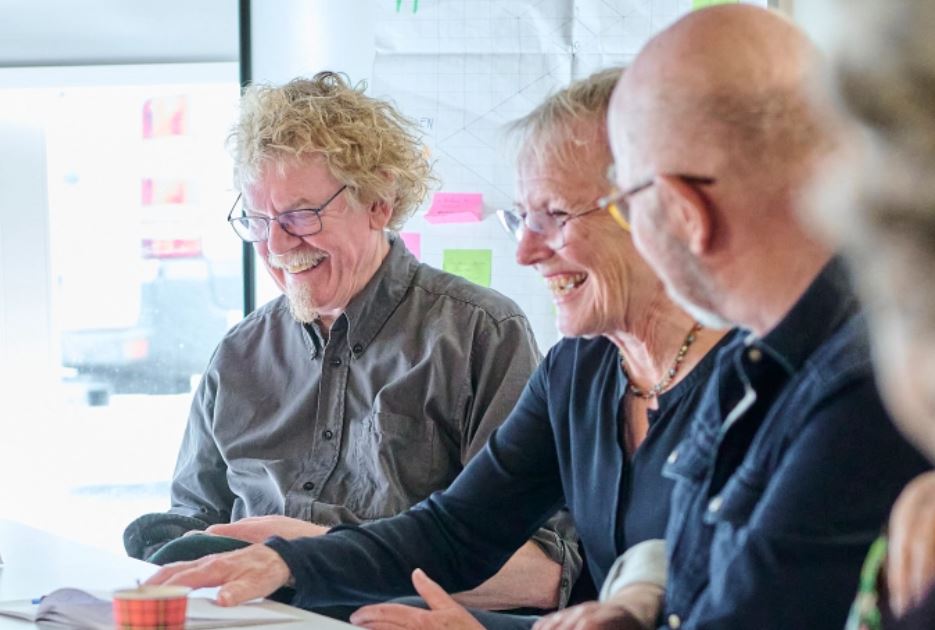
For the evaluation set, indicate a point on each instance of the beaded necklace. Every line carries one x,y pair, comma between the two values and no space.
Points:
662,385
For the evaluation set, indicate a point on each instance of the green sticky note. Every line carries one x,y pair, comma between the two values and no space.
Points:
700,4
471,264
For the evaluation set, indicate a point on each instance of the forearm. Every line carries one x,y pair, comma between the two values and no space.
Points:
529,579
374,562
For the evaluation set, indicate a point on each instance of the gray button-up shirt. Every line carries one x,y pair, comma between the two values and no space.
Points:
408,385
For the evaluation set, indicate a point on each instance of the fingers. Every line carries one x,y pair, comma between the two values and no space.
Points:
568,619
386,616
200,574
169,571
238,592
910,563
921,572
433,594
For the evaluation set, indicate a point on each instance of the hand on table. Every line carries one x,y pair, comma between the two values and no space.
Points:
445,613
910,565
590,616
256,529
245,574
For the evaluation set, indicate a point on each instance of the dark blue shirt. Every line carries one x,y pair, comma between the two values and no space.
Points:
561,445
789,470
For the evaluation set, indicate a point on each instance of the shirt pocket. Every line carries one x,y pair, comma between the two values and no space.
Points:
395,456
686,463
737,500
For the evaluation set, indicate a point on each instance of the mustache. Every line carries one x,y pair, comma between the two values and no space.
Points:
295,258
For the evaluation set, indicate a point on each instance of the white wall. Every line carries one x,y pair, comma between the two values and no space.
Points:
293,38
25,315
93,32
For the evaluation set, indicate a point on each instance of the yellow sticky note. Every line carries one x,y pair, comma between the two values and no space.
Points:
471,264
700,4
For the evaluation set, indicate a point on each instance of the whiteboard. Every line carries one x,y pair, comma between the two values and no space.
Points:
464,68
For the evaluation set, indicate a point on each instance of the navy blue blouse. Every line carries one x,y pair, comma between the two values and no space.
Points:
561,445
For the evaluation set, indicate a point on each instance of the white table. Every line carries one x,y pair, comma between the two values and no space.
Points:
36,563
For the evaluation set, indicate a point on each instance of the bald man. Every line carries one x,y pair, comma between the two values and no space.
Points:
792,463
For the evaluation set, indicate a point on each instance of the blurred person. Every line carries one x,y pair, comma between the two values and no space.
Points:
879,206
593,429
791,463
374,378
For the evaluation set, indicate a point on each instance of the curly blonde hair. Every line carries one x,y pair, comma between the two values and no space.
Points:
366,143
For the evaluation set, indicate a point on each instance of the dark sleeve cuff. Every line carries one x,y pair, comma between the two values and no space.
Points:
559,541
146,535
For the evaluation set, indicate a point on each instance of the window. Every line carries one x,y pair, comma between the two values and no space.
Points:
136,280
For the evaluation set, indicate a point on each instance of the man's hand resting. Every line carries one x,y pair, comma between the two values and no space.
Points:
256,529
590,616
445,613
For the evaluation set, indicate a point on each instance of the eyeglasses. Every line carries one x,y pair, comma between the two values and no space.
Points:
304,222
618,205
548,224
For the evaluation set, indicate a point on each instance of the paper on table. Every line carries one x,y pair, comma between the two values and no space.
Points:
202,612
69,608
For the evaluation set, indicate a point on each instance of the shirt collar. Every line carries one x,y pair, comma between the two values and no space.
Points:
825,305
369,309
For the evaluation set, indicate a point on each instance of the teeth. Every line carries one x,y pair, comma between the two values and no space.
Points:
299,263
562,284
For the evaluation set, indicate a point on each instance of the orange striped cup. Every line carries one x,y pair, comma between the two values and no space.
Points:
151,607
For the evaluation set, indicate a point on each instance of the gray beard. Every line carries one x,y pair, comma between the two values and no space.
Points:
300,304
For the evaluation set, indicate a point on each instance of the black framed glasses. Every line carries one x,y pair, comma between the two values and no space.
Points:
304,222
547,224
617,203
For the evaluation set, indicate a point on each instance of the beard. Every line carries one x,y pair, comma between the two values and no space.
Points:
301,306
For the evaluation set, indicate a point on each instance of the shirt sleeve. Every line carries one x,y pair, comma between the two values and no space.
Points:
459,537
790,557
503,357
199,485
643,563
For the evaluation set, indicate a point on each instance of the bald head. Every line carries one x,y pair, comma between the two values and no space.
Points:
722,90
723,96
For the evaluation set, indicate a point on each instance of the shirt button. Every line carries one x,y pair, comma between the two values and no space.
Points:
755,354
327,434
564,582
674,622
308,485
715,504
358,348
673,456
336,362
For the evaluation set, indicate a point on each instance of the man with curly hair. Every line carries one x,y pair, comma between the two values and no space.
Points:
374,378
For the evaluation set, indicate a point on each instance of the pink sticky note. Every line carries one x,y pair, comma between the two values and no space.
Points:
456,208
413,241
